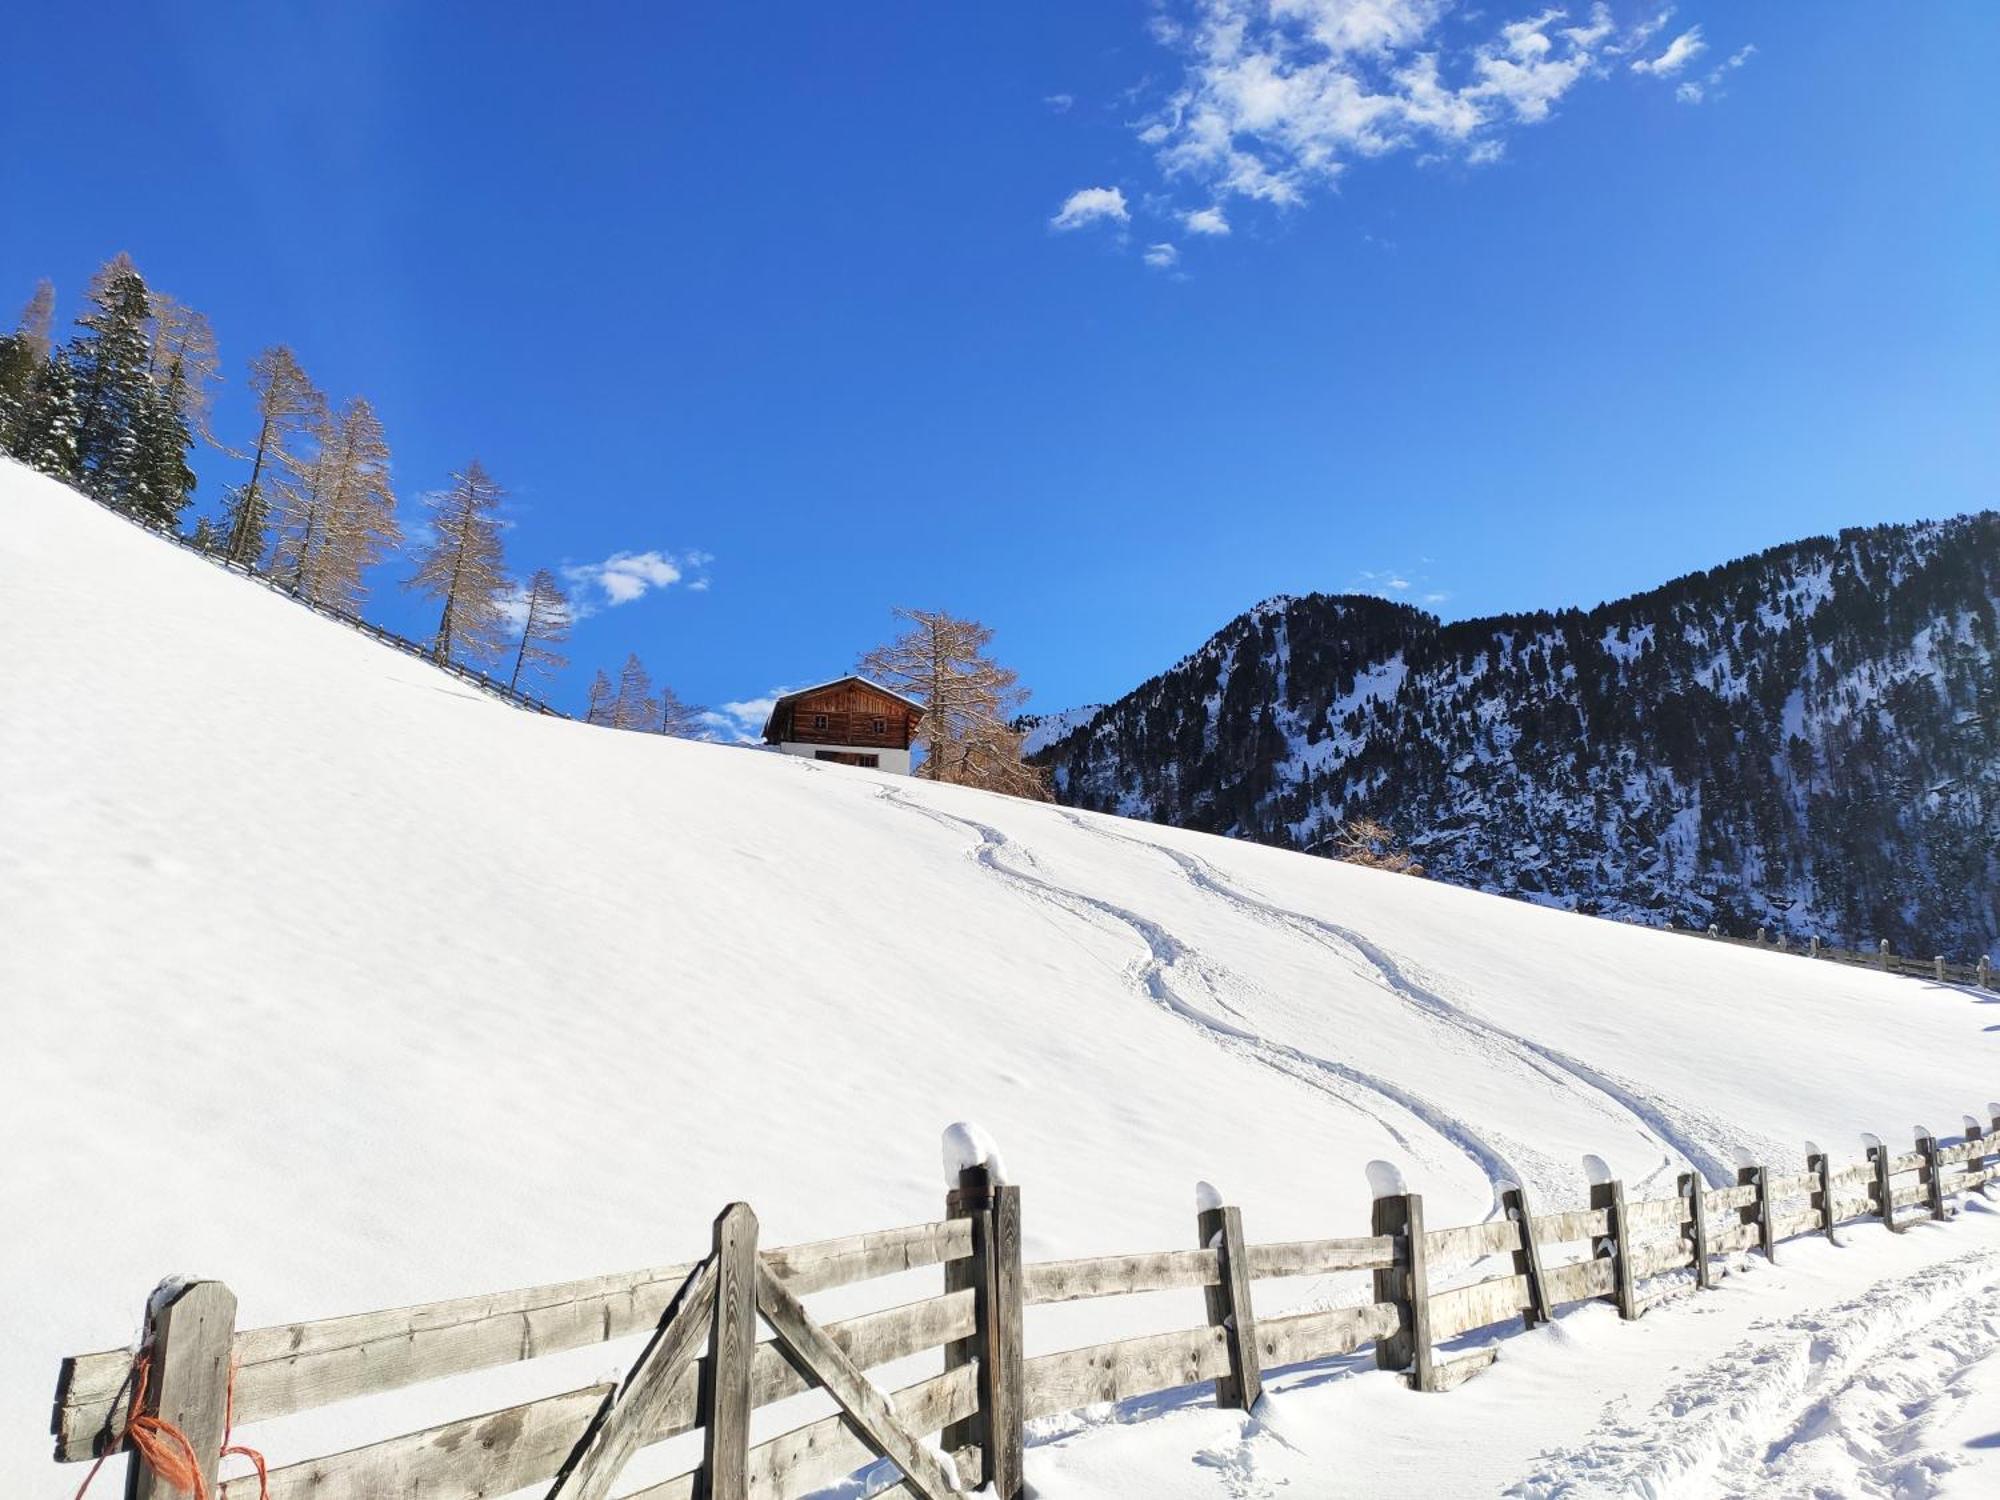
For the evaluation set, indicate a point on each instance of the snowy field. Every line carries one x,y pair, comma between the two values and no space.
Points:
329,977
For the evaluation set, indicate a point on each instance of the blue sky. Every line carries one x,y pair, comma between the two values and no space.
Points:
801,303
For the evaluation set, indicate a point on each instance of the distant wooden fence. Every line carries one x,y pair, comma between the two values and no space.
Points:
1937,967
705,1368
472,675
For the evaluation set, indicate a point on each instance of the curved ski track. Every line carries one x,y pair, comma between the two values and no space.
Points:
1669,1126
1168,958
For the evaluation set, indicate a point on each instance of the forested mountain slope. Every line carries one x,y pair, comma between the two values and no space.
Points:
1808,738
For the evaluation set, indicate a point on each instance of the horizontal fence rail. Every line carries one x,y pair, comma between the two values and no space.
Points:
1940,970
705,1369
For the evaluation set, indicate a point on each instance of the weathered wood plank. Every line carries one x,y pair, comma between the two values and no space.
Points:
1652,1260
1617,1246
627,1414
1304,1337
1116,1275
1118,1371
818,1267
1579,1281
820,1453
1574,1224
188,1383
1528,1257
1823,1201
1470,1242
1230,1308
732,1343
1654,1213
1788,1222
494,1453
1847,1177
1721,1201
1758,1210
1730,1237
1694,1200
1933,1175
1002,1344
867,1407
1322,1257
1790,1185
1464,1307
1453,1373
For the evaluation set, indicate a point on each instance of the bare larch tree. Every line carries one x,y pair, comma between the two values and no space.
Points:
463,566
686,721
544,626
38,320
1365,841
287,407
969,700
337,513
598,707
635,707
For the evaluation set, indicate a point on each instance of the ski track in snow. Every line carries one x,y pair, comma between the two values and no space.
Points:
1847,1393
1671,1127
1167,954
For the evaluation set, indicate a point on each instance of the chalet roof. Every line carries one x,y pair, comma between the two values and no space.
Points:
820,687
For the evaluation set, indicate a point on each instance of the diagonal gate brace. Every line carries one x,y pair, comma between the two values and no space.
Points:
816,1355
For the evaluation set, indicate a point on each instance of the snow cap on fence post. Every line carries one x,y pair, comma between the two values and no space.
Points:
1385,1180
966,1146
1207,1196
1596,1169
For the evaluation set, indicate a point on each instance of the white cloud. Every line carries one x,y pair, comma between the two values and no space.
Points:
743,720
625,577
1277,98
1689,92
1681,51
1162,257
1088,205
1059,103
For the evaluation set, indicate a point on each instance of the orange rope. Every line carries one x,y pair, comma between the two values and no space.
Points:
165,1449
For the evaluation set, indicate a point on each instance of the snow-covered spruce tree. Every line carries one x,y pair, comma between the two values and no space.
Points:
287,407
635,707
109,360
45,429
544,626
683,721
463,567
969,702
337,512
597,708
161,481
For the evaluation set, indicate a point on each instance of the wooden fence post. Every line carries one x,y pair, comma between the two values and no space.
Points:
1693,1187
1527,1255
1408,1285
1885,1201
1882,955
1812,948
187,1380
1927,1148
1617,1245
1229,1306
1758,1210
993,1273
1821,1166
725,1389
1985,979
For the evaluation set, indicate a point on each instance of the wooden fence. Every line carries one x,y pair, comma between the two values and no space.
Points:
704,1367
1937,967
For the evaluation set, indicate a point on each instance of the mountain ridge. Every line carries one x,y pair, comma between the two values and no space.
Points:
1802,738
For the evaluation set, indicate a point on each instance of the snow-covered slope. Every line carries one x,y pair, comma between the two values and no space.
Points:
325,975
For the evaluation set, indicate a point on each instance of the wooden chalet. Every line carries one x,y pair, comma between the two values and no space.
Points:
850,721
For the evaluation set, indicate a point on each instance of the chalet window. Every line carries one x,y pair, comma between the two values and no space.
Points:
819,721
881,726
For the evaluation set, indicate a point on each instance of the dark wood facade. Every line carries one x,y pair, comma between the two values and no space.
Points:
850,713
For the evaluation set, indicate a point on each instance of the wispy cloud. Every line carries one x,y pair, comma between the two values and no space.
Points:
1277,98
1691,92
1091,206
626,577
1681,51
1060,103
1162,257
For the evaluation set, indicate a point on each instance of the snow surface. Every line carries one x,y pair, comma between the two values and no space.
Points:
328,976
